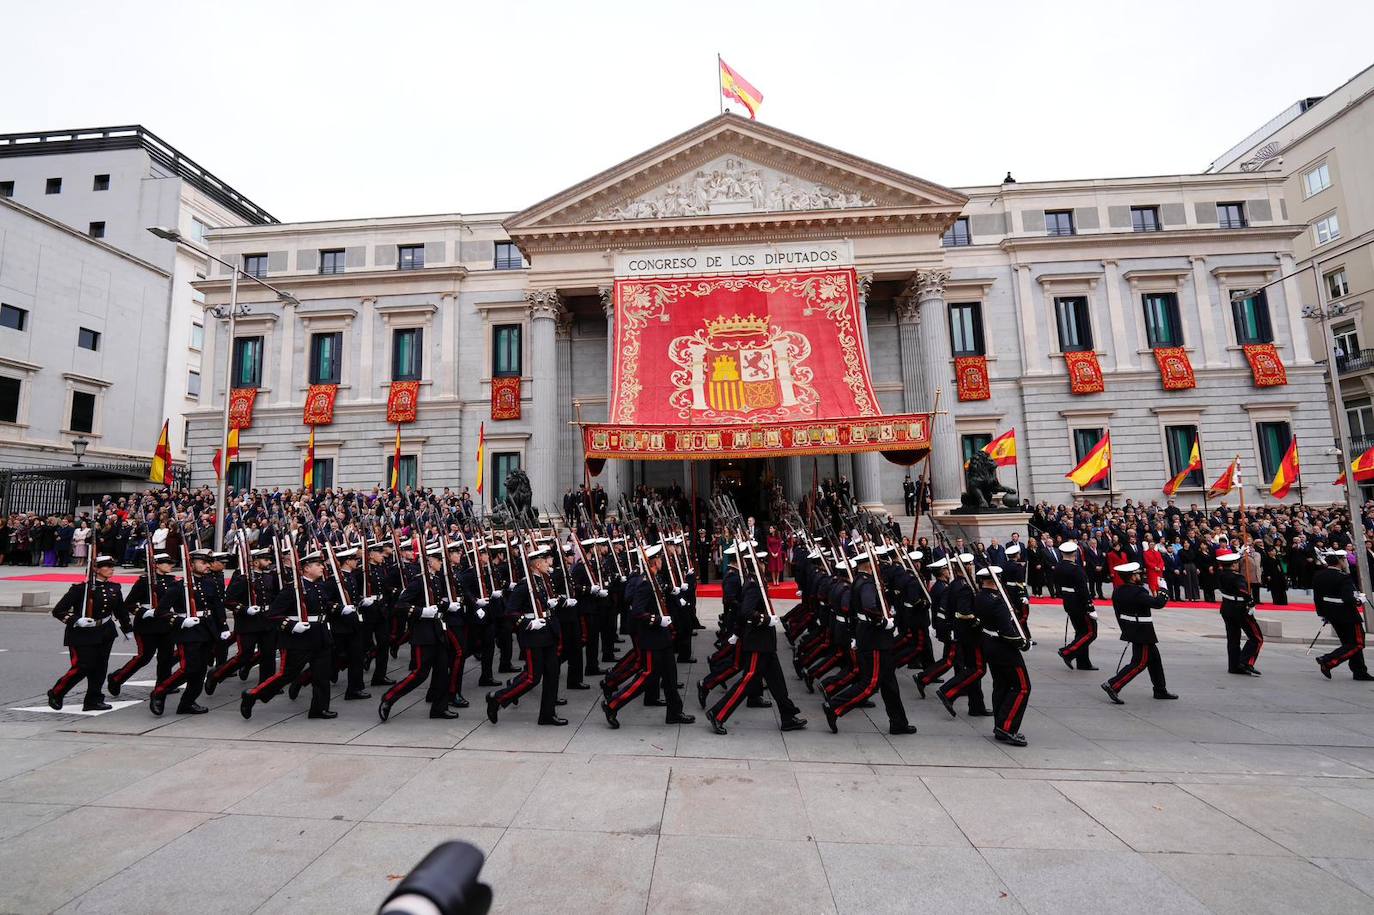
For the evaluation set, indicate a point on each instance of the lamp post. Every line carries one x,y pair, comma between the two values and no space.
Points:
231,312
79,446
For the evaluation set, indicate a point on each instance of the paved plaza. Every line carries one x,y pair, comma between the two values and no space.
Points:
1246,795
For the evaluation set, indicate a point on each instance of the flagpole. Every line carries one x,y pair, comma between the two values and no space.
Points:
719,93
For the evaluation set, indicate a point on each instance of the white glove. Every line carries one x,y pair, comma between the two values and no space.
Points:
496,593
775,621
300,627
536,624
349,609
1092,613
570,602
853,644
84,622
732,639
148,613
682,601
482,602
253,610
799,594
481,614
665,621
1359,596
429,613
601,592
190,621
226,635
454,606
677,590
890,625
368,602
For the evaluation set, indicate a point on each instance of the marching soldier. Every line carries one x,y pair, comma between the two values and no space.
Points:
873,642
658,668
1075,592
383,585
1014,583
969,664
248,596
88,611
215,591
942,623
153,609
533,602
1338,603
306,643
474,580
350,627
1238,614
193,634
1002,646
1133,605
570,647
428,639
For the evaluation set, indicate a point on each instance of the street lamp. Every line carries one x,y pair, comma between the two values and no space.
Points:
232,311
79,446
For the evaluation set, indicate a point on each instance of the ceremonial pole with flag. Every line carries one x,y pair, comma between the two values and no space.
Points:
160,470
396,462
1287,474
222,467
1096,466
1194,463
1362,468
308,471
481,456
1002,450
736,87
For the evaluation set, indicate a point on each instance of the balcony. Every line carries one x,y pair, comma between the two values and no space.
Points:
1358,361
1359,444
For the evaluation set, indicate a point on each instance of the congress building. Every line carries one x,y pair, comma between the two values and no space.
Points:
742,303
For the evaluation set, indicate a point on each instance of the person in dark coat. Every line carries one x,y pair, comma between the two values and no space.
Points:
648,612
873,640
534,601
307,646
1133,605
1003,643
1238,615
88,611
1076,594
1339,603
193,635
153,609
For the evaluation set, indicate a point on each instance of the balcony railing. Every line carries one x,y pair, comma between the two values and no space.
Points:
1359,444
1358,361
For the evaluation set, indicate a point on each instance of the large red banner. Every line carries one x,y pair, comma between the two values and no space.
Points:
730,350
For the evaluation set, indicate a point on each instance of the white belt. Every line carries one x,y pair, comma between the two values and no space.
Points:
1067,590
1136,619
1334,600
313,619
1231,597
992,632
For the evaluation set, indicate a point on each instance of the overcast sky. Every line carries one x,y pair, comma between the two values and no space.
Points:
347,109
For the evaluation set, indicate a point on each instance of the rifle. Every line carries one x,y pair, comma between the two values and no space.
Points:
1002,591
338,575
633,531
734,524
88,603
191,610
149,571
535,603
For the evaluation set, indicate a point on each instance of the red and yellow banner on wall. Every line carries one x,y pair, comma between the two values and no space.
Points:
1085,373
971,377
241,402
403,402
1265,366
319,404
899,432
505,397
1175,370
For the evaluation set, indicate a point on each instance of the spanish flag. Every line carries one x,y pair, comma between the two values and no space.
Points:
1288,472
396,462
308,472
161,469
1096,464
1363,466
734,86
481,454
233,453
1228,481
1194,463
1002,449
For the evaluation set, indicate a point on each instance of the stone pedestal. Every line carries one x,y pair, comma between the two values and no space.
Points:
974,528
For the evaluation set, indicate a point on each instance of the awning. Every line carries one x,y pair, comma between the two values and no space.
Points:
755,365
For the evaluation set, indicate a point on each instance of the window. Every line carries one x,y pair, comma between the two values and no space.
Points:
957,236
100,183
966,328
1162,324
13,317
1231,215
1144,219
410,257
407,356
409,474
54,186
324,473
9,400
1085,440
508,256
1347,340
1059,222
83,412
505,350
192,383
255,265
197,337
1316,180
502,464
1274,439
1327,229
198,229
1075,328
326,351
247,371
1252,319
1178,442
87,338
6,188
971,444
332,261
1337,285
1360,416
240,476
96,230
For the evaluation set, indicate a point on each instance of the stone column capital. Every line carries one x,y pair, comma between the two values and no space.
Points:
544,303
607,296
930,284
865,285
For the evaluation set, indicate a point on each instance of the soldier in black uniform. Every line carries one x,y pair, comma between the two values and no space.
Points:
349,627
1134,604
453,611
383,585
589,587
90,632
428,639
1014,583
248,596
533,602
476,582
759,644
1238,614
193,635
658,667
1338,603
1003,643
1076,593
941,622
152,610
874,637
570,641
307,647
969,664
215,591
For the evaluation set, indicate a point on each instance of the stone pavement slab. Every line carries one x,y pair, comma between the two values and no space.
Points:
85,777
1249,885
1044,818
1300,820
598,797
697,874
211,781
762,804
459,791
542,870
1052,881
332,786
864,808
871,879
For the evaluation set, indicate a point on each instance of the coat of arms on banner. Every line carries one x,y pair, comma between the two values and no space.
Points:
742,366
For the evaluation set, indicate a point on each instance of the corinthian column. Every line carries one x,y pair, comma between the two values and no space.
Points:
926,369
867,476
545,310
612,475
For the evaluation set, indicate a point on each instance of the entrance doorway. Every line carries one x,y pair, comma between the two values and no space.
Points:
754,483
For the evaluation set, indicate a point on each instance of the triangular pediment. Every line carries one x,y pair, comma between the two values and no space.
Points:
732,169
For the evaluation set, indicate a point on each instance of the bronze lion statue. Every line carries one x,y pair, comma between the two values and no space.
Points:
983,488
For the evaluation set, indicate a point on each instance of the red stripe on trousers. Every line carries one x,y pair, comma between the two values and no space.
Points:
455,672
1131,673
176,677
955,689
133,664
863,693
224,670
391,694
1252,625
942,666
1077,644
1337,659
737,693
627,692
65,681
1020,698
523,681
270,682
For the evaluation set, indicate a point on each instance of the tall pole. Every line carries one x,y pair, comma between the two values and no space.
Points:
223,482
